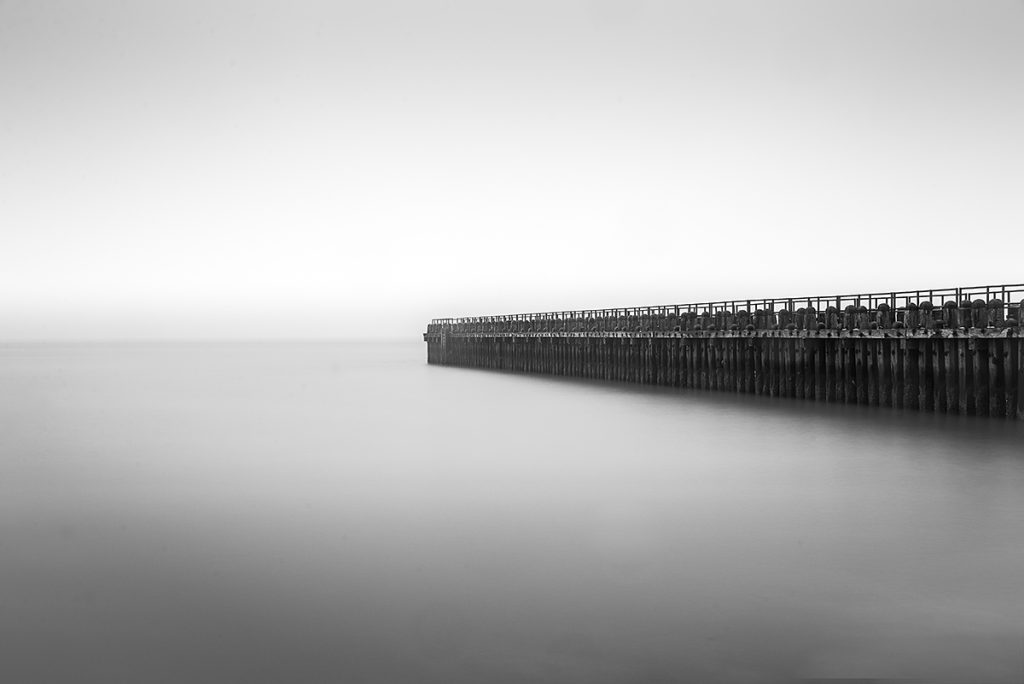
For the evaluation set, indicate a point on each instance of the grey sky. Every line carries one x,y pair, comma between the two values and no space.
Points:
290,168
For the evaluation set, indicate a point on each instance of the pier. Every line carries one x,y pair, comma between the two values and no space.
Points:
953,350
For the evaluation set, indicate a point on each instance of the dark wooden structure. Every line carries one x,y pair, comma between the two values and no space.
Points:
956,350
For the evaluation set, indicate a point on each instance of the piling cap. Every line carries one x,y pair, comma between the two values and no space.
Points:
850,308
949,305
978,304
862,309
912,307
995,303
883,307
831,310
801,311
810,310
927,305
742,312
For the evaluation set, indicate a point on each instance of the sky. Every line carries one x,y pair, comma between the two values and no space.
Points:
331,169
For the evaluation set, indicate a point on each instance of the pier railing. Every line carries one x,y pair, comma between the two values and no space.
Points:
982,306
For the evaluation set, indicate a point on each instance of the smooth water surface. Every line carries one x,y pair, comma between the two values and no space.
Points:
342,512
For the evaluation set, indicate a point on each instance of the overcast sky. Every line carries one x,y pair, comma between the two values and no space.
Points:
198,168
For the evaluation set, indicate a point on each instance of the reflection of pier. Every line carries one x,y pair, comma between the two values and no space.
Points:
955,350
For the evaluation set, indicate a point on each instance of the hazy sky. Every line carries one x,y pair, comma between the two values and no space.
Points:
299,168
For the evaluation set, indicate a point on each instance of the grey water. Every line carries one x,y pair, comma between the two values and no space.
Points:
343,512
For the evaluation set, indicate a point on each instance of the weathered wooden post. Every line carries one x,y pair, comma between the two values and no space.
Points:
833,321
883,316
996,313
997,372
950,315
981,379
979,314
965,315
926,401
927,315
1017,354
785,317
912,318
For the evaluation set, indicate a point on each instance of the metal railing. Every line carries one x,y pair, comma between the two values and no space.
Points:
900,308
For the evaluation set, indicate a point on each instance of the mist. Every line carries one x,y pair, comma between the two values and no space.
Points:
346,169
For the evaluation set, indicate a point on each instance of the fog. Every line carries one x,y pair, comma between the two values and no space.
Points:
343,512
343,169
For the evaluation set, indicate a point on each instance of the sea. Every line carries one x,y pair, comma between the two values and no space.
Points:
340,511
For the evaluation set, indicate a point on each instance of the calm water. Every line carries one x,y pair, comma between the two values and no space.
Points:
344,513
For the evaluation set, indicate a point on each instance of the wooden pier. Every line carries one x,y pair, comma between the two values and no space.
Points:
956,350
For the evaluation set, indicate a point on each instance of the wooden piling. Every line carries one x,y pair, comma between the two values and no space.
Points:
885,372
830,368
911,374
981,379
1018,345
997,378
871,364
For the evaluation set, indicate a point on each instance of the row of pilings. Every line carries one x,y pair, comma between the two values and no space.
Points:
978,374
924,315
